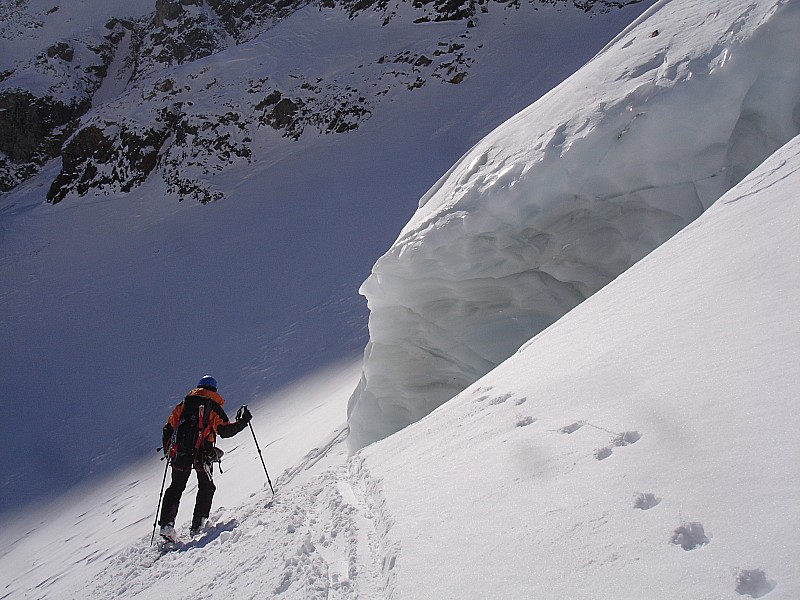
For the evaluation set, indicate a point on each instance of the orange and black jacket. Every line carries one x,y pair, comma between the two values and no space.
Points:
214,422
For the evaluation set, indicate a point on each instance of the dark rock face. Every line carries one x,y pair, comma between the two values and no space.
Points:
167,10
88,142
276,111
31,132
243,19
176,35
111,157
34,128
61,50
465,10
27,121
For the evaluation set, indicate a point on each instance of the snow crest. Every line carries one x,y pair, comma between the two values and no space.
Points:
565,196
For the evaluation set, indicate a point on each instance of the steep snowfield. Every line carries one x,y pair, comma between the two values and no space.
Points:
565,196
645,446
114,304
642,447
94,542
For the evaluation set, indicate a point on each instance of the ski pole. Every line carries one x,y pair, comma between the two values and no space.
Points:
160,496
262,457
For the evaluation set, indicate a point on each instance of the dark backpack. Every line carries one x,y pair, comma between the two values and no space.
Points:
189,437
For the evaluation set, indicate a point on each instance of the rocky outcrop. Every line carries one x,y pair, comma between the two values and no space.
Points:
167,10
33,128
31,132
244,19
464,10
180,31
28,123
186,142
107,155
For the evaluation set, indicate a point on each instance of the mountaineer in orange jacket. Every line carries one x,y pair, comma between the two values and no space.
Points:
189,437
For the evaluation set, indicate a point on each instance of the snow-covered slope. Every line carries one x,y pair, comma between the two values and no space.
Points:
642,447
114,303
568,194
645,446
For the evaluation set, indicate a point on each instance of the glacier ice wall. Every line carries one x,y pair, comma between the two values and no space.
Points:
571,192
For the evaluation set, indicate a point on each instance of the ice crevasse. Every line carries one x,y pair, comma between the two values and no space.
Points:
569,193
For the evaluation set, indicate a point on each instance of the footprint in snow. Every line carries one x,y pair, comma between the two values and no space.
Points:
646,501
690,536
625,438
602,453
525,421
753,583
482,393
572,428
500,399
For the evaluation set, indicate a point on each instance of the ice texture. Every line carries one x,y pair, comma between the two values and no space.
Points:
565,196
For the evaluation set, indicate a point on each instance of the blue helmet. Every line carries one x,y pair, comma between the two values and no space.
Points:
207,381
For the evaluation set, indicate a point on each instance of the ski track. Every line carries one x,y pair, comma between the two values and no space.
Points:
320,537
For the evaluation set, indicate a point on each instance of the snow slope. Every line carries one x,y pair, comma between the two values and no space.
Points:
566,195
101,531
644,446
115,303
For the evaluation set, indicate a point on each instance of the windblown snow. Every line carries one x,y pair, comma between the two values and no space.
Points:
565,196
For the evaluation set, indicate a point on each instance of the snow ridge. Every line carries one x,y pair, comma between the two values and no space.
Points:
568,194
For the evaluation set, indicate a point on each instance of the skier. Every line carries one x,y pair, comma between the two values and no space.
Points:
189,437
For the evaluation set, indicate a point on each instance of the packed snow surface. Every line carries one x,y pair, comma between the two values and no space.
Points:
568,194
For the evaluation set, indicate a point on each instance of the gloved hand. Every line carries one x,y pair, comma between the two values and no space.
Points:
166,438
243,414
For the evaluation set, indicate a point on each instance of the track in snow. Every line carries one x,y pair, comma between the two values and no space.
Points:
320,537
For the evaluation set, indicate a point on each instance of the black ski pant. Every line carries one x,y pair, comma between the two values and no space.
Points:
172,497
